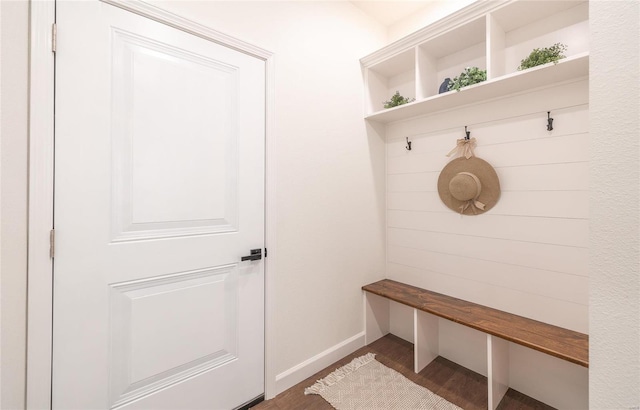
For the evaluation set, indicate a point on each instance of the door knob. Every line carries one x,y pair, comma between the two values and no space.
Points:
256,255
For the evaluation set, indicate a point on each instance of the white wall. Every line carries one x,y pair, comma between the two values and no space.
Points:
614,201
434,11
330,184
13,200
528,255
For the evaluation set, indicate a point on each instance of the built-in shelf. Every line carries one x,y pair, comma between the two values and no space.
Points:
493,35
570,68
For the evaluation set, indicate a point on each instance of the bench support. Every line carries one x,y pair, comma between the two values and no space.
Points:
497,369
376,317
426,339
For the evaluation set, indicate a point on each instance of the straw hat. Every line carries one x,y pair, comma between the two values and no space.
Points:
469,186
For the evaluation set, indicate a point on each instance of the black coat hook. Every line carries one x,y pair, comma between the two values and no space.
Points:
408,147
468,133
549,121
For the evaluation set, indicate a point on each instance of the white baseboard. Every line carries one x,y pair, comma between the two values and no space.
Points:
301,371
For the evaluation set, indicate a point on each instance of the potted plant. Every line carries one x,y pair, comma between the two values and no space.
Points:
544,55
470,75
397,99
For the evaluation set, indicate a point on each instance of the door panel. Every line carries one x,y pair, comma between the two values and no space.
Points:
159,192
188,182
155,338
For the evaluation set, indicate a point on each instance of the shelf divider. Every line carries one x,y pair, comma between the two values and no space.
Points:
496,40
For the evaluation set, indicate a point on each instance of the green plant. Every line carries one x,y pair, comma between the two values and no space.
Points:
397,99
543,56
470,75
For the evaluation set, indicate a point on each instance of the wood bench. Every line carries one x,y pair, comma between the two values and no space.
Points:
501,328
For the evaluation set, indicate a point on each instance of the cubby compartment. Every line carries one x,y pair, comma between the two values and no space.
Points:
448,54
383,79
513,31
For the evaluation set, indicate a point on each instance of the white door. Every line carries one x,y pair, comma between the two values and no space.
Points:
159,192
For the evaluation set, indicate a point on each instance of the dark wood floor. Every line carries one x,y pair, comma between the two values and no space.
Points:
455,383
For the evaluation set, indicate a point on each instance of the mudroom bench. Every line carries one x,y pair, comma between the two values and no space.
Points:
500,327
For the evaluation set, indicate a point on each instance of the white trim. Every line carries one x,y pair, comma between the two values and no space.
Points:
40,267
270,237
40,319
299,372
189,26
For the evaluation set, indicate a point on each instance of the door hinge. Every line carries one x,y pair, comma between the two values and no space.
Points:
54,37
265,252
52,243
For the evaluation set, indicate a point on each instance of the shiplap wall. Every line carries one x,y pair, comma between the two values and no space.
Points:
528,255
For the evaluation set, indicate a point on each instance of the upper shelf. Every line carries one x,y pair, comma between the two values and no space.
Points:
492,35
570,68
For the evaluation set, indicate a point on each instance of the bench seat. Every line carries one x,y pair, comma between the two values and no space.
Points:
553,340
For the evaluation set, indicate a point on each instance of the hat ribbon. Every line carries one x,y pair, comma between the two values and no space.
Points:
464,147
473,203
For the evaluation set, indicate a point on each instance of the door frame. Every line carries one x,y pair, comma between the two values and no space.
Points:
41,184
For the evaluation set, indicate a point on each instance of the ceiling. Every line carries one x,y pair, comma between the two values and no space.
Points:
388,12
